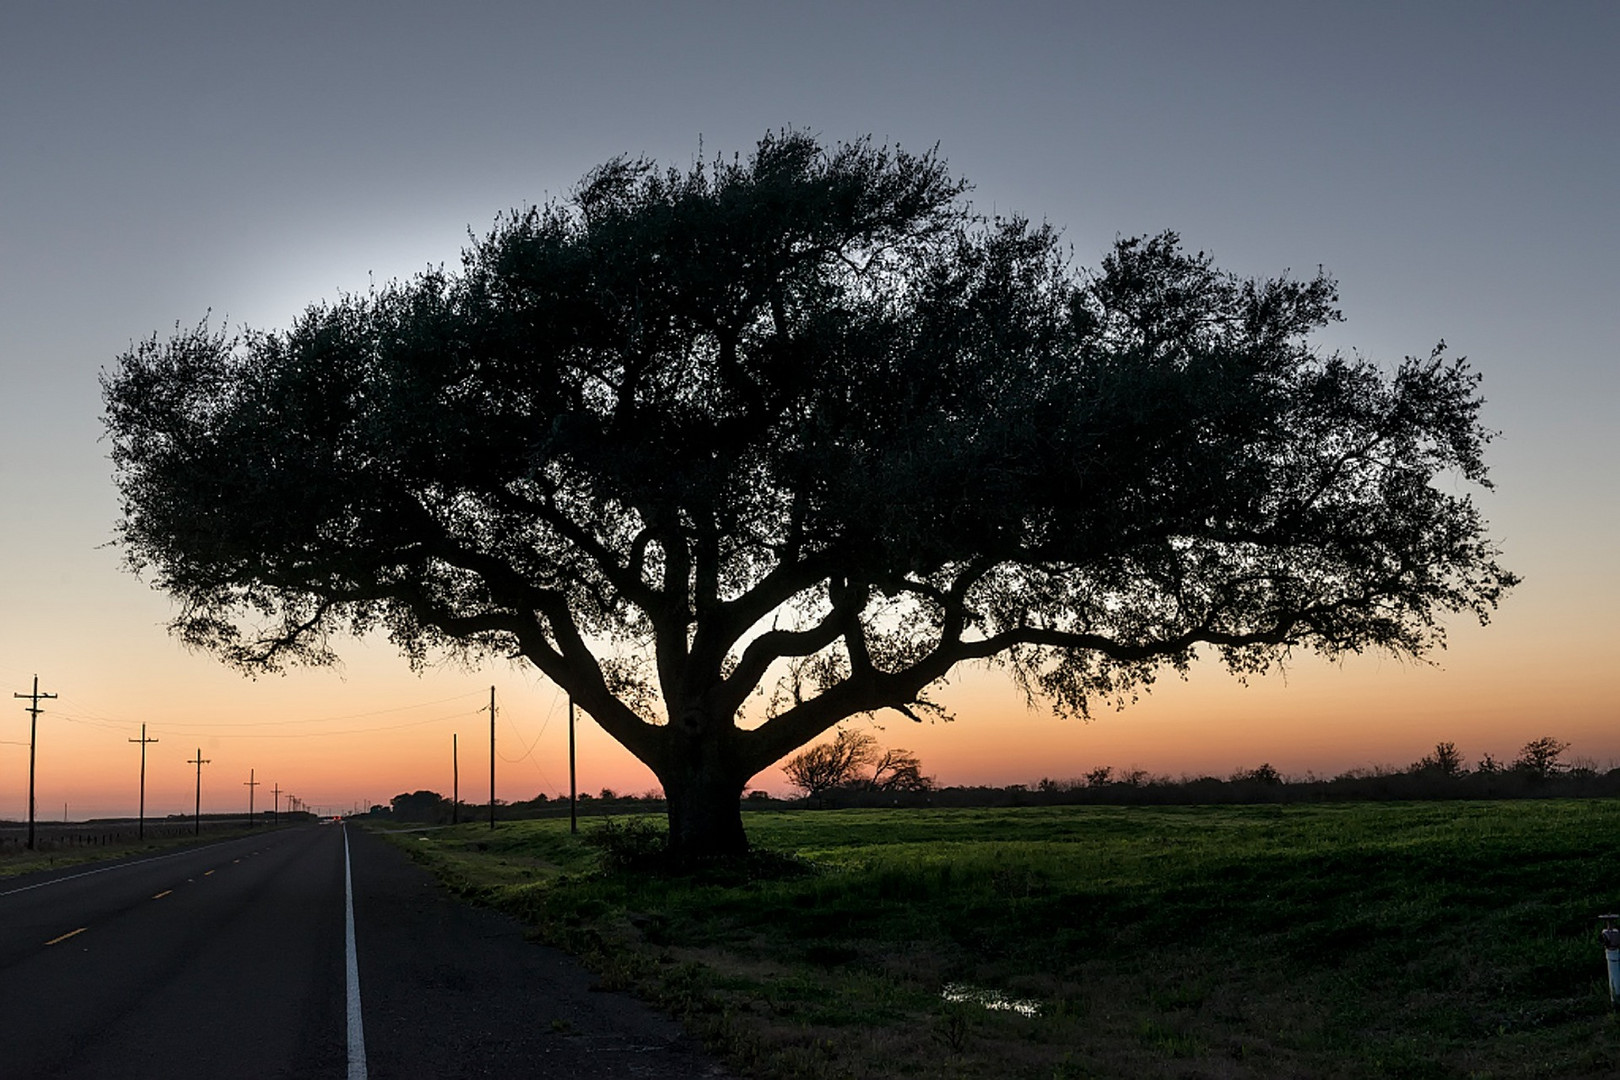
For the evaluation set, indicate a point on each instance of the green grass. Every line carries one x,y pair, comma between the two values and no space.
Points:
1378,940
54,854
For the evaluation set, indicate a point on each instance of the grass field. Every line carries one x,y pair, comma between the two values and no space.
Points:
84,842
1395,939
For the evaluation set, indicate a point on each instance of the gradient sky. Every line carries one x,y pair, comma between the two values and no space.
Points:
1454,165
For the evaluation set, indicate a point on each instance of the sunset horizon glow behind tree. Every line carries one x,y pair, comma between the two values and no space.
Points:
1450,172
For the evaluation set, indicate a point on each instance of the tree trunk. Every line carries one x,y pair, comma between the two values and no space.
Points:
703,786
705,820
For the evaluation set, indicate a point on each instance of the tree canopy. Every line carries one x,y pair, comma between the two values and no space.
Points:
802,424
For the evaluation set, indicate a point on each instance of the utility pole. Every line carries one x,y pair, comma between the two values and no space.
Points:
143,740
198,761
492,757
455,779
275,808
573,784
251,784
33,710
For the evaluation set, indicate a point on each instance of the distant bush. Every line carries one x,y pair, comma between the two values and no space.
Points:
636,843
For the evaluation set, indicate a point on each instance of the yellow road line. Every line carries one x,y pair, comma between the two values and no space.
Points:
207,873
162,894
67,935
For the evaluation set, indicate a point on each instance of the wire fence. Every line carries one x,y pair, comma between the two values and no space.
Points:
75,835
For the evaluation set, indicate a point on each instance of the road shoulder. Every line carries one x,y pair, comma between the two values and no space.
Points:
451,990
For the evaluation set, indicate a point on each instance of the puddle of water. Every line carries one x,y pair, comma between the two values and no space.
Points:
994,1000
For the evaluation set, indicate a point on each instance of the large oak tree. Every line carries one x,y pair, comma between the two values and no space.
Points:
800,424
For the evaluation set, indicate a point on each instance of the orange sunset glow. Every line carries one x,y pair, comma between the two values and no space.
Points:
1457,188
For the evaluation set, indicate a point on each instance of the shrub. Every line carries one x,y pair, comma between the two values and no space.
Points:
636,843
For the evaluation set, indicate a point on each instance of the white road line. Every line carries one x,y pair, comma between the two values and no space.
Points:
118,866
357,1032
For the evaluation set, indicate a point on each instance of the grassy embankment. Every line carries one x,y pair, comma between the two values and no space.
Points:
1411,940
73,845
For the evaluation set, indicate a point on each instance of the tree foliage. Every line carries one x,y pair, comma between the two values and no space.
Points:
800,422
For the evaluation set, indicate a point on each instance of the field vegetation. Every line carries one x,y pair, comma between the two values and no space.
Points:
1429,939
58,844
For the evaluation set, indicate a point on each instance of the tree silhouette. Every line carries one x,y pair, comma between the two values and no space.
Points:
898,769
1446,760
800,420
818,769
1540,758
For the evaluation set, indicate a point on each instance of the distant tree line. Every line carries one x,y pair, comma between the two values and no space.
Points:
853,770
1539,770
431,808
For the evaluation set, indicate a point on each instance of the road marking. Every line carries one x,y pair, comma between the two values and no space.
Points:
116,866
67,935
162,894
357,1032
206,873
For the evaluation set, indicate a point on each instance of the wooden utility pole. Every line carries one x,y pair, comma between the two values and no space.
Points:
455,779
275,807
573,785
492,757
33,710
198,761
251,784
140,830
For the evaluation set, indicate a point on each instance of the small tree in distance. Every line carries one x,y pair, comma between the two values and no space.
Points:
844,763
1445,760
1265,773
1540,758
899,770
818,769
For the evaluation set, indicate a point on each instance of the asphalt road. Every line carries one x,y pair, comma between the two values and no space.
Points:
232,959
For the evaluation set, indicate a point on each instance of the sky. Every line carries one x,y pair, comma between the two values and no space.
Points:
1454,165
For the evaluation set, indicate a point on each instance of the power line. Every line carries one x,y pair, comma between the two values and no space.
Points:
339,716
545,725
214,732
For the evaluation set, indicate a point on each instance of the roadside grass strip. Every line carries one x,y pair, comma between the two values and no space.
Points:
1342,940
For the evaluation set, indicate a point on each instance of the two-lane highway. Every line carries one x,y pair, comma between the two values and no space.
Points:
233,959
202,962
